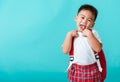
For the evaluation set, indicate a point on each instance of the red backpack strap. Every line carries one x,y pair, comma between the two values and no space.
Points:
72,49
103,64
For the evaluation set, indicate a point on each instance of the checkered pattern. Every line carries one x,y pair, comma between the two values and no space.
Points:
88,73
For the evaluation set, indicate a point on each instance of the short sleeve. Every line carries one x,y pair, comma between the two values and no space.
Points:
96,35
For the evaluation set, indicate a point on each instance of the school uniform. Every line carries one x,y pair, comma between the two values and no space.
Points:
83,66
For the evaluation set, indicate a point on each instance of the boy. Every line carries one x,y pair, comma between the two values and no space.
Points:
83,66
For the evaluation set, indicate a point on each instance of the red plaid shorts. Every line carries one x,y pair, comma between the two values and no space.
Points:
81,73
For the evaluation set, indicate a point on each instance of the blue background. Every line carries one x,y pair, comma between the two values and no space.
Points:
32,31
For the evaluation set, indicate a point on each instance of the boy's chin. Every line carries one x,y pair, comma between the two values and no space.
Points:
80,30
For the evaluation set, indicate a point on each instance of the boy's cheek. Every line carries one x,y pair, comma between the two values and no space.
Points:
89,26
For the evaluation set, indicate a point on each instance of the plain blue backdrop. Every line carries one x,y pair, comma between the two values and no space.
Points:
32,32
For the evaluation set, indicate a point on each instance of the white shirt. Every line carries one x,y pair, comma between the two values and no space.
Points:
83,53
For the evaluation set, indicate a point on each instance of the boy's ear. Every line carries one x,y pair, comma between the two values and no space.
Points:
93,24
75,18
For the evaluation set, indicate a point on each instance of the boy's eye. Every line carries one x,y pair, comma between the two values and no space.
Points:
89,20
82,17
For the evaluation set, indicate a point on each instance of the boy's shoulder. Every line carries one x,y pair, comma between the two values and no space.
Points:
94,32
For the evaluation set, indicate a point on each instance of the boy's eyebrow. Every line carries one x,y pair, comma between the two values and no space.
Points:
81,14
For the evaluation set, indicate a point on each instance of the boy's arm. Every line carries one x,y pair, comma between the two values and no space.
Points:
94,43
66,47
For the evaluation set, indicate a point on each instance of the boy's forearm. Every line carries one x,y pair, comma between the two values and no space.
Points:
66,47
95,44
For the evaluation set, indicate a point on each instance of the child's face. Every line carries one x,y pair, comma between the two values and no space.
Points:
84,20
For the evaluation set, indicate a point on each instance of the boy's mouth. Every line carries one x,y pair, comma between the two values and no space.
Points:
82,26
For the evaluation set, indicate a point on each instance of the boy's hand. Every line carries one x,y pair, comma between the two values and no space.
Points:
73,33
87,32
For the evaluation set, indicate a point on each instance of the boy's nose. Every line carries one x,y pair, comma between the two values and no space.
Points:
84,22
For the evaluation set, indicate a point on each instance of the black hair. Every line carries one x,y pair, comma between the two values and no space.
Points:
90,8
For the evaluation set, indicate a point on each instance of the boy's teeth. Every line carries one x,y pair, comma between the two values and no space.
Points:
83,27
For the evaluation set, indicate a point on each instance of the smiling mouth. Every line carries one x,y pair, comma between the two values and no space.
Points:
82,26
